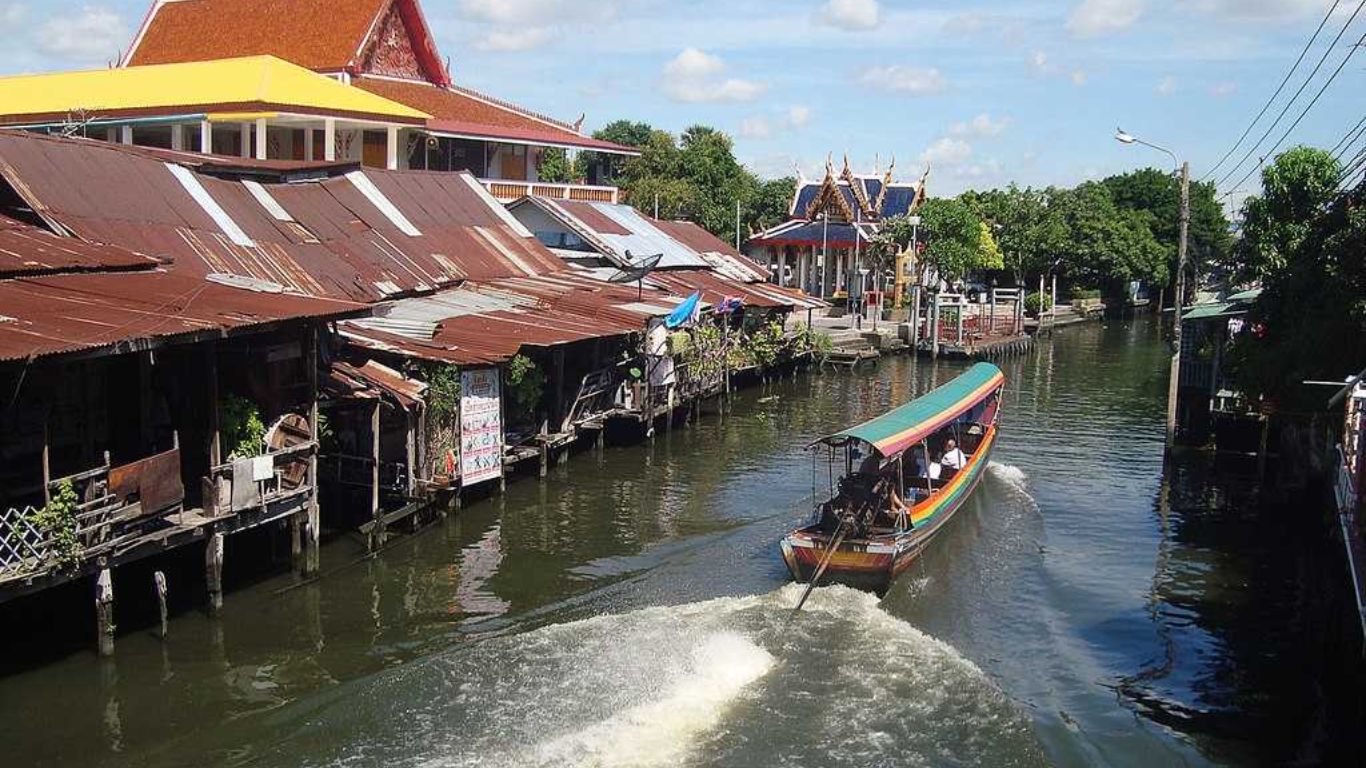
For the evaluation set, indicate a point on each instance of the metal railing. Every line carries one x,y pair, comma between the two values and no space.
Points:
508,191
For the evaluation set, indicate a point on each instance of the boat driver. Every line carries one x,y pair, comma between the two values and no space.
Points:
953,457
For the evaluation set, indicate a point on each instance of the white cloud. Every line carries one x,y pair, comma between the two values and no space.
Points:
1220,90
1042,66
692,63
537,12
913,80
850,14
12,14
765,127
94,34
1258,10
1166,87
1101,17
946,151
755,128
513,40
695,76
982,126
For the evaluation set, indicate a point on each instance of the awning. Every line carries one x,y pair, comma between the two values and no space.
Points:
894,432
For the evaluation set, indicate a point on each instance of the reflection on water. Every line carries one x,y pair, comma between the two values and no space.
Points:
1085,607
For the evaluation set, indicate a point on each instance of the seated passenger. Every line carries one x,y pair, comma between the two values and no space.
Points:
933,471
953,457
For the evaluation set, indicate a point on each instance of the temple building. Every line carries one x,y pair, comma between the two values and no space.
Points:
339,80
831,226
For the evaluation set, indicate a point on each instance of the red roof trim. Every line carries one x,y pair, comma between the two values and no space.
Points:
520,135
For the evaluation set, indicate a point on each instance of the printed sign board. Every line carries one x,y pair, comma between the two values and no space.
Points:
481,426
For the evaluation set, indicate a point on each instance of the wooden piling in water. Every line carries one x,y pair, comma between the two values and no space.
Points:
104,611
213,571
159,588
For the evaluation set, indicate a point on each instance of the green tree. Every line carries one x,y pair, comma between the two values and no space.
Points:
773,203
555,167
1305,243
1108,247
1295,188
988,252
1027,225
953,238
1159,194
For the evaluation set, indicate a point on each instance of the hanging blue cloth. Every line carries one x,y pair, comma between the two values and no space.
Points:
685,313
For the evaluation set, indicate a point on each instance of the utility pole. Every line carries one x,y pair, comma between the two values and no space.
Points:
737,224
1174,385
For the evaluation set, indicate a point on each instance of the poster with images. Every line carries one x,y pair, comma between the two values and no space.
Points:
481,426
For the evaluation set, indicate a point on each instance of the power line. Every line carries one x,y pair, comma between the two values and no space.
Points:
1344,144
1302,115
1326,53
1272,100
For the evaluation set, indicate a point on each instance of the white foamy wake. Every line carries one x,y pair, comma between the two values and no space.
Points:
1011,475
730,681
661,731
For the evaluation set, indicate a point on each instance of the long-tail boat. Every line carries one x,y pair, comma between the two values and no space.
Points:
905,474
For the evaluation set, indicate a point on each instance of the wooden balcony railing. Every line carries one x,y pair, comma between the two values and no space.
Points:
508,191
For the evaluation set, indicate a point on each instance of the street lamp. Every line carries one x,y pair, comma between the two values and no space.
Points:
1185,170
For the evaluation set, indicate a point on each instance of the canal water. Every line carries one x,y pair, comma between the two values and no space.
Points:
1084,608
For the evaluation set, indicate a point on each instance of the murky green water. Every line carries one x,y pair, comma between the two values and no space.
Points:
631,610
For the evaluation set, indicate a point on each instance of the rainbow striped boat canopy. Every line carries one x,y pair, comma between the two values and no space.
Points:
894,432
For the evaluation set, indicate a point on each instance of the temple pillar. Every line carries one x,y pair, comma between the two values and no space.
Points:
205,137
126,134
330,140
178,138
391,148
262,142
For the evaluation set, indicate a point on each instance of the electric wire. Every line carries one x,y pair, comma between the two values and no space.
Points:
1345,143
1275,95
1298,92
1308,107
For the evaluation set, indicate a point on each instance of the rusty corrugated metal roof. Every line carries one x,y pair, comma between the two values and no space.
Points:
26,250
365,236
82,312
483,323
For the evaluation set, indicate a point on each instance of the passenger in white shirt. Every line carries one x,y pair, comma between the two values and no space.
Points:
932,471
953,458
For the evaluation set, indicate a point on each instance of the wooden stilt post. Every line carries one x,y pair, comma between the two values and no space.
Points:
313,528
159,588
47,457
1053,306
213,571
211,380
376,514
545,456
104,610
934,327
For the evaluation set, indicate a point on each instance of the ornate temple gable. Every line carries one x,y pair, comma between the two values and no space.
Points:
830,199
389,51
886,182
858,190
400,45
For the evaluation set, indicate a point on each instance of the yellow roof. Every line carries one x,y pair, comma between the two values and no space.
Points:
224,85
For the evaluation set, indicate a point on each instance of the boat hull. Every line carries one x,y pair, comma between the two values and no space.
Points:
874,563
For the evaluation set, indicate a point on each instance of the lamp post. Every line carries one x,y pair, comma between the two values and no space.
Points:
1174,384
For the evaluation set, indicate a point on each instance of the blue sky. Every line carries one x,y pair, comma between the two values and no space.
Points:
986,92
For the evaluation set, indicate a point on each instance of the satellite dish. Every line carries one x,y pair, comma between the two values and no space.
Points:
637,271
